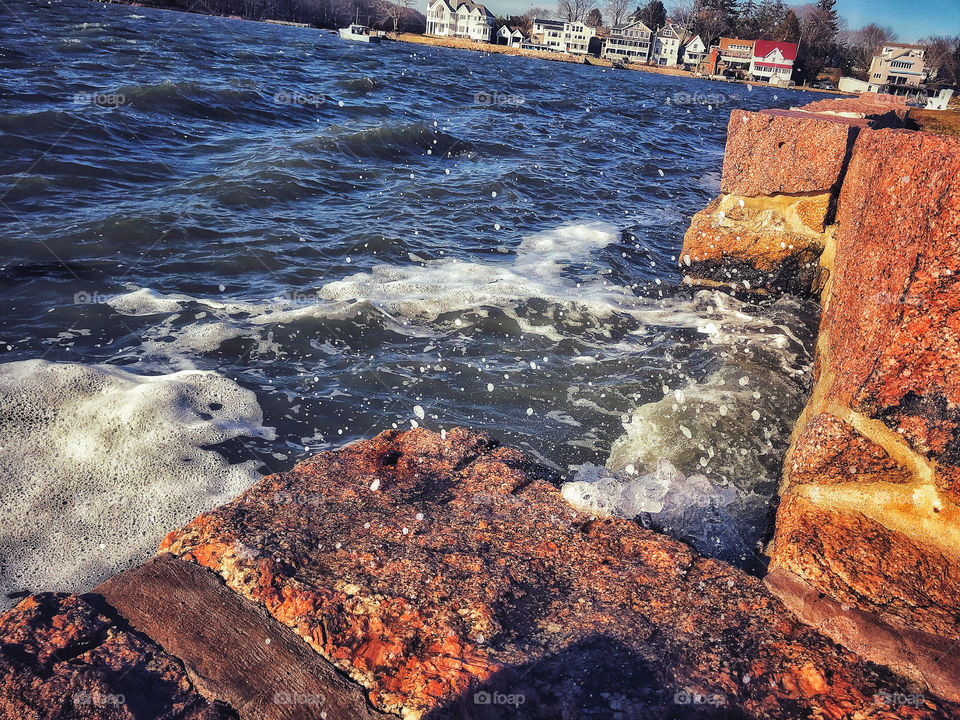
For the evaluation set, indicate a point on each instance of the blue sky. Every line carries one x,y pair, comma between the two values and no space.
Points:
910,19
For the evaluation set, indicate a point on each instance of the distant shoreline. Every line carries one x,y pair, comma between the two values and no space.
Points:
464,44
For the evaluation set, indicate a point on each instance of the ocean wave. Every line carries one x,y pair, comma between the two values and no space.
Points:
360,85
190,98
553,287
389,142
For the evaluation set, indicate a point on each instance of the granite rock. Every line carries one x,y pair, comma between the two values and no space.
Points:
448,576
871,508
782,151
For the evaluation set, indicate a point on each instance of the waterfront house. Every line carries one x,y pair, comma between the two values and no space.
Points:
898,67
693,51
772,61
546,35
453,18
560,36
666,46
511,37
733,57
629,42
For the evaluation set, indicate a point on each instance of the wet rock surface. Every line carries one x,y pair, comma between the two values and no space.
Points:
782,171
448,576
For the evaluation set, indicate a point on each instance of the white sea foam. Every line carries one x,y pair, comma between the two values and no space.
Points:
717,426
715,518
98,464
596,491
708,424
702,463
411,298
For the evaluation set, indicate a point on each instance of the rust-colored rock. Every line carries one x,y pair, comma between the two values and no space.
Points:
930,659
781,173
62,659
783,151
871,511
880,111
431,568
766,242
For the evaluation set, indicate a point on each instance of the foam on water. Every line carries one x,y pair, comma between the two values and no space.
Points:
716,519
420,299
703,462
731,374
99,464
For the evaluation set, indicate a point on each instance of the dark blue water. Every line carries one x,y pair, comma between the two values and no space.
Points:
356,234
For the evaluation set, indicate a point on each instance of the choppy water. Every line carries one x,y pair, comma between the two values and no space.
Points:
350,234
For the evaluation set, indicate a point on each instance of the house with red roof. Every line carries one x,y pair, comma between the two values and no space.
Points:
772,61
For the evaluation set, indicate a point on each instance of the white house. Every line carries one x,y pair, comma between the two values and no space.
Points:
511,37
560,36
694,51
772,61
459,18
666,46
628,42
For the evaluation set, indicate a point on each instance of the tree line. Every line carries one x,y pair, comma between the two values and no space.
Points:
380,14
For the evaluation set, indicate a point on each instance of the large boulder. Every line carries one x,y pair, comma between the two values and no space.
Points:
449,577
769,227
870,513
782,173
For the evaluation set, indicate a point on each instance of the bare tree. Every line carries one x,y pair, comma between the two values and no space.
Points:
538,12
594,18
861,45
396,11
617,10
682,13
943,57
572,10
711,24
819,28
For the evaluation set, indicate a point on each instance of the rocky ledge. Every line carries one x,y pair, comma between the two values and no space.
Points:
448,577
870,512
